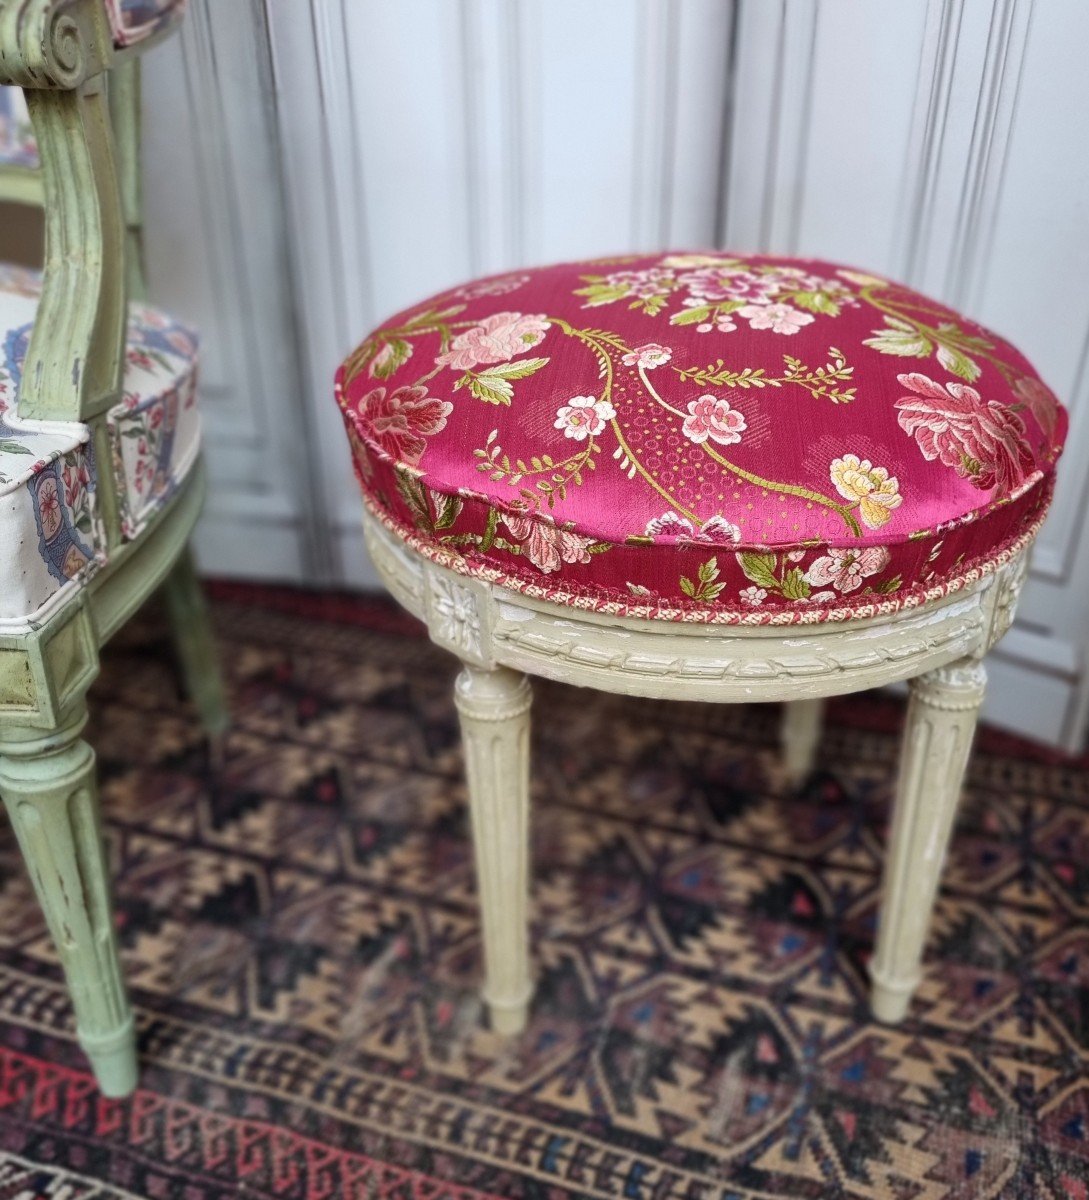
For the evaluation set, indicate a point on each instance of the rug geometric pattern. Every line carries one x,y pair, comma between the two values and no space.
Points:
299,930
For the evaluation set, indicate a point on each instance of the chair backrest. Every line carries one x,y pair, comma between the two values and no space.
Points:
69,141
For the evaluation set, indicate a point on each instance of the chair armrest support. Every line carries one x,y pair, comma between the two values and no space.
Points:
53,43
72,370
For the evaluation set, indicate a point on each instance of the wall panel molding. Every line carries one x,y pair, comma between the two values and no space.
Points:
930,142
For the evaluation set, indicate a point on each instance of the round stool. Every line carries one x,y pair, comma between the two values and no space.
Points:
703,477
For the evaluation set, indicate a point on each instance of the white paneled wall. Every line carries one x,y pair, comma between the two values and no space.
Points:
343,158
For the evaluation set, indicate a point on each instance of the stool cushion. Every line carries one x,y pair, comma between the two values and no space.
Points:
51,536
702,437
133,20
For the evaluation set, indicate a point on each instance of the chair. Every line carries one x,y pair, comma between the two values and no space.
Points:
100,478
703,476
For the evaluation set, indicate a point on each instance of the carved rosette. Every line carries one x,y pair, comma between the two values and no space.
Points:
454,616
1010,583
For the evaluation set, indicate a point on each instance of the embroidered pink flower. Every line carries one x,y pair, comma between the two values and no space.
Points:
779,318
718,529
712,417
544,543
399,422
497,338
1039,399
583,416
753,596
669,524
654,281
714,529
648,357
845,569
980,439
712,285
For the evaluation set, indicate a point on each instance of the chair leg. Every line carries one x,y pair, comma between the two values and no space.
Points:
800,734
493,707
941,721
196,645
48,785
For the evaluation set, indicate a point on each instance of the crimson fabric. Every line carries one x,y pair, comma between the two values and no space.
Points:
702,437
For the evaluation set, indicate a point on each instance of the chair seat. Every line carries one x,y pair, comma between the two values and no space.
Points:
51,536
706,437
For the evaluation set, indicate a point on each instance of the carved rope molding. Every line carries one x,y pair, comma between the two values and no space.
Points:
53,43
489,627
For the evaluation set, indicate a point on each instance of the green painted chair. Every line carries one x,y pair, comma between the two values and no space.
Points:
100,475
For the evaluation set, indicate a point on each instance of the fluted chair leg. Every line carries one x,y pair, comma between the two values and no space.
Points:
941,721
493,707
48,785
800,734
195,645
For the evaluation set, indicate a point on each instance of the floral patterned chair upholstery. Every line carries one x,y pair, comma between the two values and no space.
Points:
100,480
703,476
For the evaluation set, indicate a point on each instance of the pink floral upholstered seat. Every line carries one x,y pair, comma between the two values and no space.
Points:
703,437
132,20
51,537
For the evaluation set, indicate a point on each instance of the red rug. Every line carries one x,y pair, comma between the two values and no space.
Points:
300,933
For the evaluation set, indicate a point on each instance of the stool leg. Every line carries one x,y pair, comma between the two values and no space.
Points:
48,785
493,707
196,645
941,721
800,734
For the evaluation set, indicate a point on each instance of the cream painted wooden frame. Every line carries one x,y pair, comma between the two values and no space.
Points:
502,637
86,128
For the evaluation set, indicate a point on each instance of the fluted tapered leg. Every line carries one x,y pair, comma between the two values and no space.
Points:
195,644
494,710
800,735
941,721
48,786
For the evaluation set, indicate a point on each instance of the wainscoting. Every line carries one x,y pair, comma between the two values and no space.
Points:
342,158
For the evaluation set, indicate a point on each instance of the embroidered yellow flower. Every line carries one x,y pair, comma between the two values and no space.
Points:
870,487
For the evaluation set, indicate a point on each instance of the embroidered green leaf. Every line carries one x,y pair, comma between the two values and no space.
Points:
413,494
706,588
691,316
447,509
719,375
492,389
760,568
795,585
601,293
493,386
651,305
817,302
487,539
888,585
901,338
515,370
957,362
430,316
948,332
392,356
